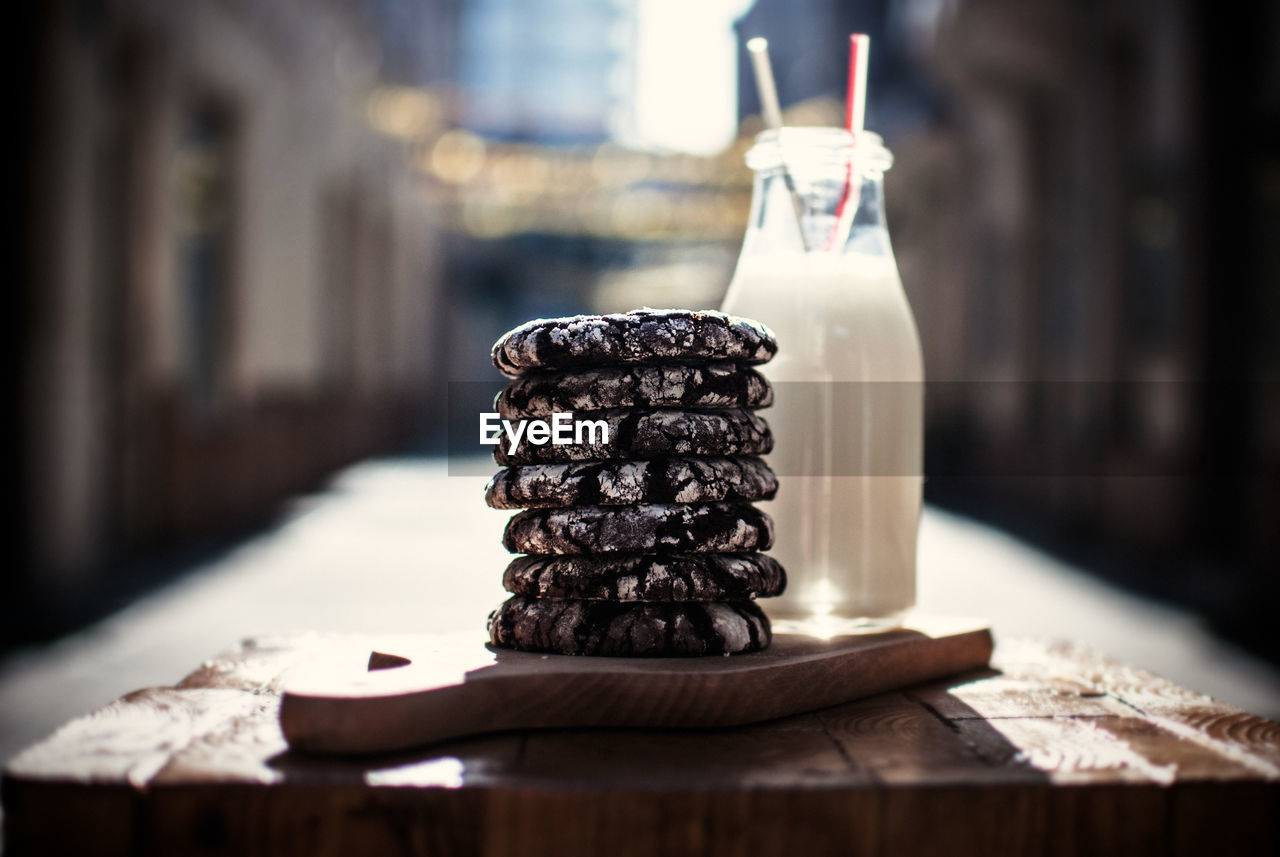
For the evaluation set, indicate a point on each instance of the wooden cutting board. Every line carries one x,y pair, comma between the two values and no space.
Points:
413,691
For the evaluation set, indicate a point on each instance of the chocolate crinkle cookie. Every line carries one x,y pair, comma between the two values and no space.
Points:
636,467
634,434
640,528
628,629
639,336
712,385
647,577
620,483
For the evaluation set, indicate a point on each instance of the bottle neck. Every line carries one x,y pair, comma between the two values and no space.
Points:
824,210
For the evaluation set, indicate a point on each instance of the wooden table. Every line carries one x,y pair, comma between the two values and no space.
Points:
1055,751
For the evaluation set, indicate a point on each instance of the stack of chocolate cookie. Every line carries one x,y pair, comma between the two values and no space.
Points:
639,540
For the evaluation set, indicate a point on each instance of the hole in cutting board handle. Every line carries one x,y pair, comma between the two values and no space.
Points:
383,661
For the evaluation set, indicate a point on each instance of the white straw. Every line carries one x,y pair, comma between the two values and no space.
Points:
772,115
769,109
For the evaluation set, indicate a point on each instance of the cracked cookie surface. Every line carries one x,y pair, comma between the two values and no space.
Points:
643,434
682,386
569,627
647,577
619,483
640,528
639,336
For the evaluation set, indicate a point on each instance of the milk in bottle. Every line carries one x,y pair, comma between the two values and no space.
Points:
817,267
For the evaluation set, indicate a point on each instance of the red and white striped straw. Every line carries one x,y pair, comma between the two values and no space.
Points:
855,109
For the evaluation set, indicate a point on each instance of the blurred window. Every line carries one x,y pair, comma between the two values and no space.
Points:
203,185
685,92
651,74
541,72
341,224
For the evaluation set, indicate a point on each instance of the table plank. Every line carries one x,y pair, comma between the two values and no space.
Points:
1057,751
132,739
1064,750
1239,817
741,823
258,663
992,694
900,742
1187,761
59,816
332,820
1240,737
1035,819
794,752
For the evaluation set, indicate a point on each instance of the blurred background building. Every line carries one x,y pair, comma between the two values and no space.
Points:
259,238
230,280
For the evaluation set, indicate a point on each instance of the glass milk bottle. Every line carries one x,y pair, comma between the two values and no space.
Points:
817,267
